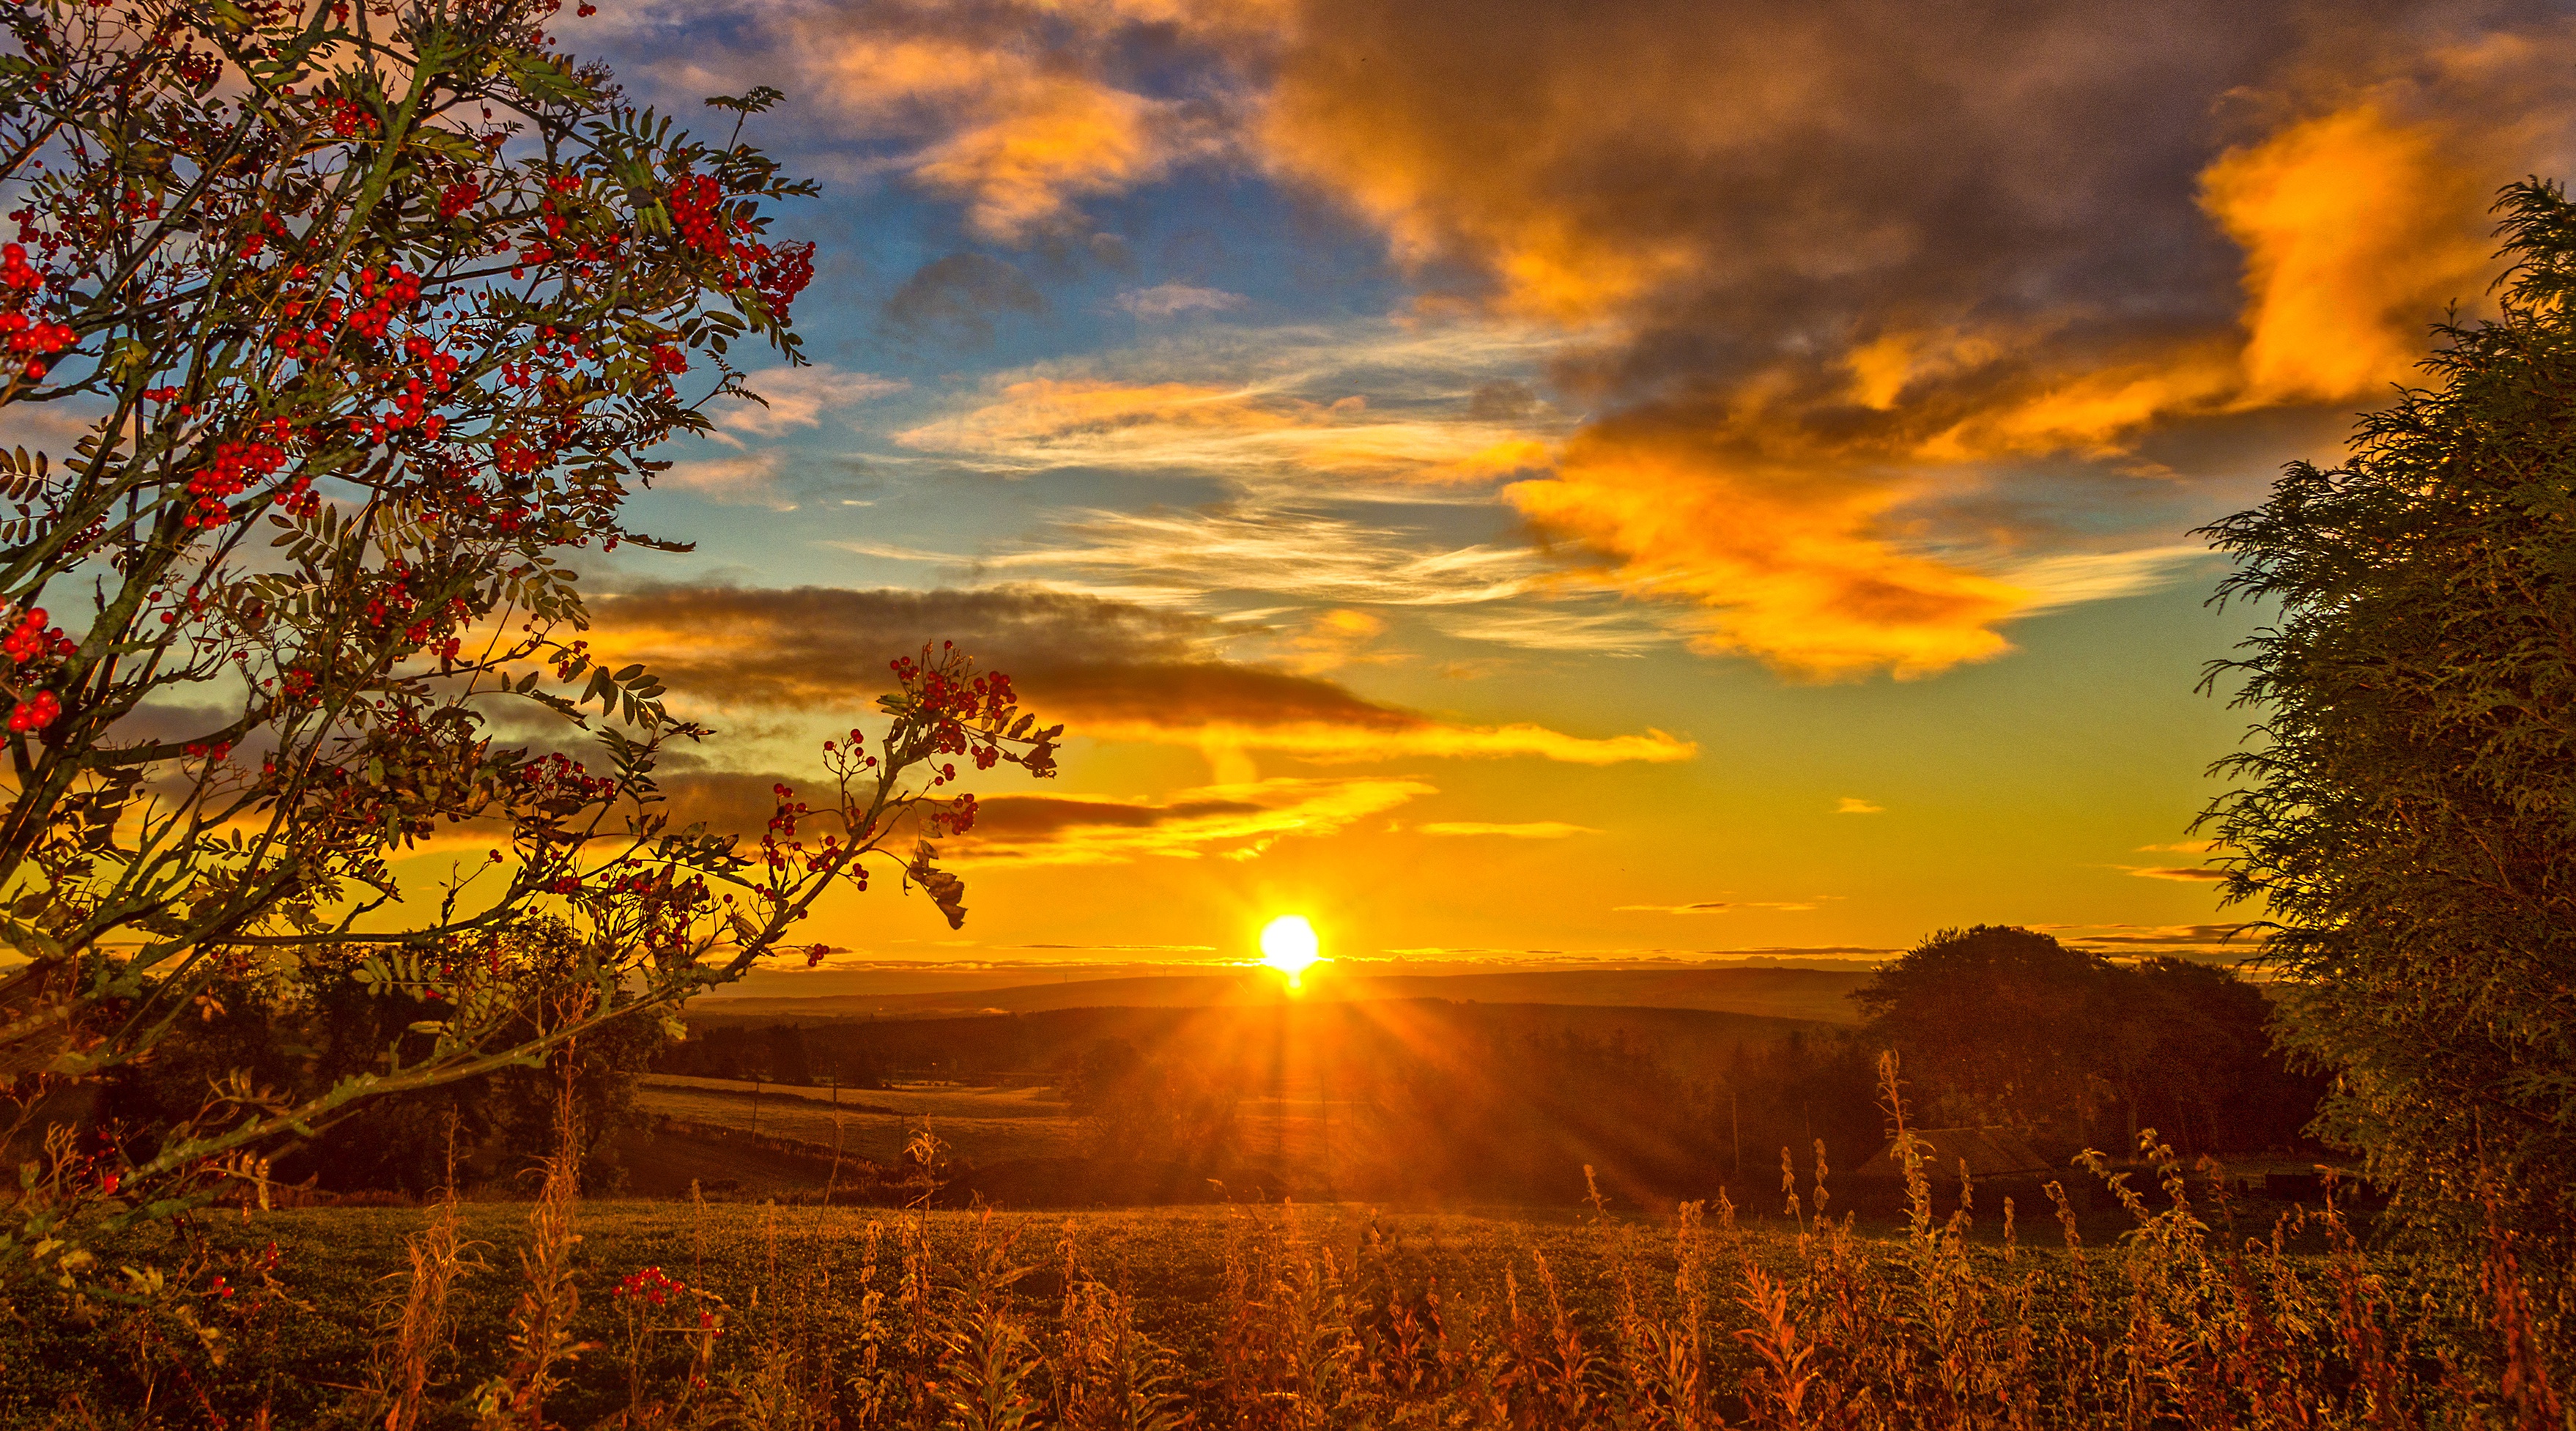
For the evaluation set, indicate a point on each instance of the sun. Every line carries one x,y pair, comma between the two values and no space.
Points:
1288,945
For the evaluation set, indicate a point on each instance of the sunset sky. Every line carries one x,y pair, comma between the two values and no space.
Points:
1531,479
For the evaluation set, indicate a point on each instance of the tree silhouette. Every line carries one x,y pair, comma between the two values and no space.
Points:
2405,812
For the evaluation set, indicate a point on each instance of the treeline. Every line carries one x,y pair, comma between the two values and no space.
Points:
251,1040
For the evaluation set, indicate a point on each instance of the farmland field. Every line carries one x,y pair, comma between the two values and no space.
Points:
342,1266
980,1125
983,1124
819,1305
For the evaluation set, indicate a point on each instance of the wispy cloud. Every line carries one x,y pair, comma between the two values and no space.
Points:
749,481
796,397
1560,625
1717,906
1306,554
1530,830
2060,581
1854,805
1221,820
1198,428
1164,300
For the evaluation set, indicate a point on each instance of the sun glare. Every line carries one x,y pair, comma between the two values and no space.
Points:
1288,945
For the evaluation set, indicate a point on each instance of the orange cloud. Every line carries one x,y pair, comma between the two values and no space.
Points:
1078,829
2189,874
1017,129
1417,736
1039,423
1333,638
2355,229
1229,821
1788,564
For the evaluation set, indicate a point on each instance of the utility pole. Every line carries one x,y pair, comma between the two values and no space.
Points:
1735,1128
755,1103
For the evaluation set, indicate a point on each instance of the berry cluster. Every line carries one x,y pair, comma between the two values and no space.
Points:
28,337
652,1285
776,274
29,645
236,466
346,119
382,297
458,197
781,274
697,211
560,785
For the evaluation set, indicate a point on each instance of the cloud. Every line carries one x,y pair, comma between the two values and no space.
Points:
1780,564
1532,830
1555,627
1334,638
2183,936
2059,581
1221,820
2183,847
797,397
1866,258
1037,424
1077,829
1851,294
1018,112
1112,670
750,481
1717,906
1294,552
1854,805
2195,873
955,299
1164,300
2355,228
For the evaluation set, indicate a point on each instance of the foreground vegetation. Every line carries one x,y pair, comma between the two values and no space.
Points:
628,1315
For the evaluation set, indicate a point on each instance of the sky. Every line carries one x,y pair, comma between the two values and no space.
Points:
1528,481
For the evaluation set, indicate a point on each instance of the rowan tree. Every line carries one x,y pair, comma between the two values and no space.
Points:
358,324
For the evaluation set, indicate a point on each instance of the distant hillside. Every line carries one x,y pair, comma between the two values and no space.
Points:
1815,995
1253,1035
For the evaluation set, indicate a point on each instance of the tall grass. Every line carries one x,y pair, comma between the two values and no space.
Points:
1691,1323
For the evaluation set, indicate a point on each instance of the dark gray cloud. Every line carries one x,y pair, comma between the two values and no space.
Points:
1106,667
955,299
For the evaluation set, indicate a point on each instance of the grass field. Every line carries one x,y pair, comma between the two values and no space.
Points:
307,1353
1270,1316
980,1125
983,1124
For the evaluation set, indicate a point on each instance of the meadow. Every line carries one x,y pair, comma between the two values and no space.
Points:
738,1313
1291,1139
983,1124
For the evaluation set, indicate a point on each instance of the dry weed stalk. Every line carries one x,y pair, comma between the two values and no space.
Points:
541,1326
439,1256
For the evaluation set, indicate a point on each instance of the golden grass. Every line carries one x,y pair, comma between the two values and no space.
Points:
837,1318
